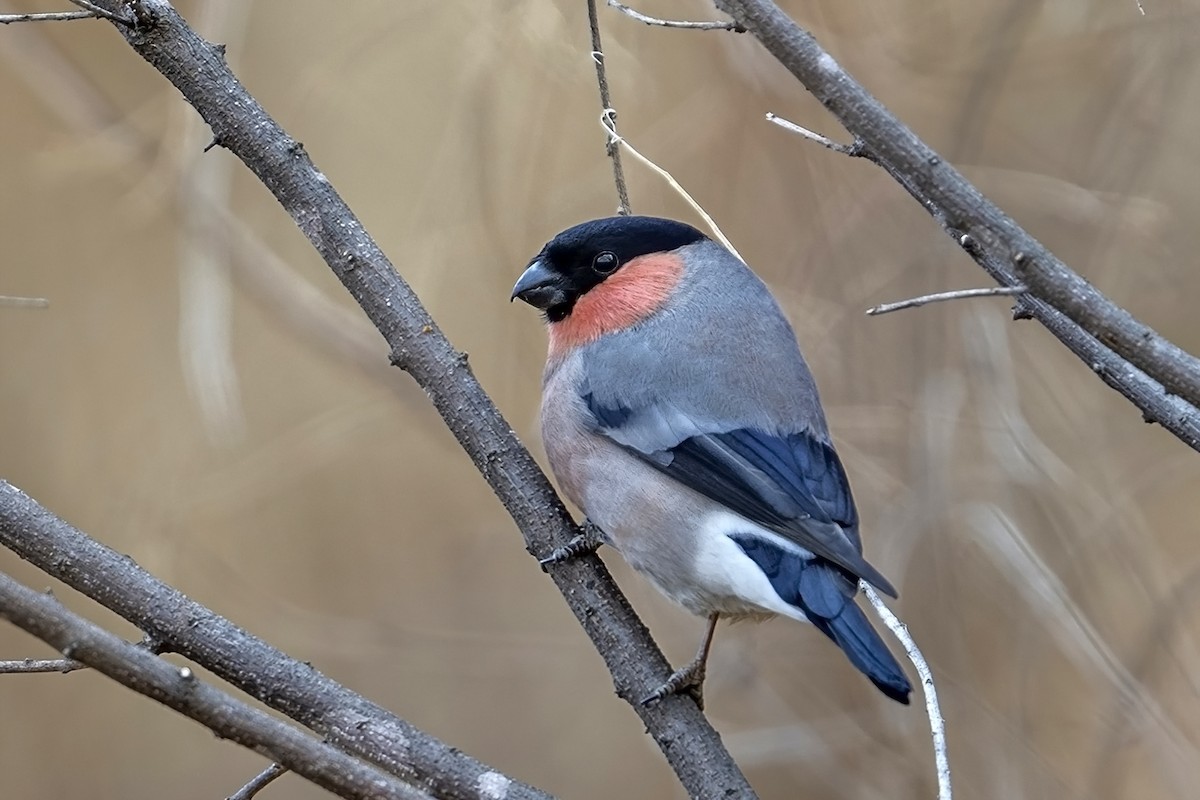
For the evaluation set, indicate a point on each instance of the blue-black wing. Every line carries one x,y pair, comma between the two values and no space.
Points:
793,485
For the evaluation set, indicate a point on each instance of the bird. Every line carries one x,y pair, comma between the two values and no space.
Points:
679,415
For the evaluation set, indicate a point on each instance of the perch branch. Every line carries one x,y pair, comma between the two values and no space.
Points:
1006,251
178,688
178,624
198,70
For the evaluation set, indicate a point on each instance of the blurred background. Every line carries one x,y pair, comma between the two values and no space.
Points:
203,395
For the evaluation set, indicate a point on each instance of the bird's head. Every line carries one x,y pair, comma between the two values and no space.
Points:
605,275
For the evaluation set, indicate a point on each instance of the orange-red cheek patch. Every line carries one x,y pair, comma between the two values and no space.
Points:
626,297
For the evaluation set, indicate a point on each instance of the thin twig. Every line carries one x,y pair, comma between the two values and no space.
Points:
258,782
178,687
47,16
23,302
715,25
609,125
614,152
939,297
103,12
27,665
937,724
853,150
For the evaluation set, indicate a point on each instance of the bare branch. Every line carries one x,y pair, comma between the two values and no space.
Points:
614,152
178,688
23,302
47,16
241,125
1123,351
178,624
258,782
716,25
28,665
940,297
853,150
937,724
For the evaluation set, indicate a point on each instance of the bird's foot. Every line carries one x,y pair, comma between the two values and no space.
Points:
585,542
688,680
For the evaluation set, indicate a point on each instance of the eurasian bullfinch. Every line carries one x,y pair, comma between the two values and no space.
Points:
679,415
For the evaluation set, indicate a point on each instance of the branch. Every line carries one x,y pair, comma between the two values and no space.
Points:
941,297
418,346
716,25
855,150
258,782
607,109
1080,316
177,687
937,723
178,624
47,16
30,665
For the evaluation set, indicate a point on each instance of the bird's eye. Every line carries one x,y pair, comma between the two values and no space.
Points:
605,263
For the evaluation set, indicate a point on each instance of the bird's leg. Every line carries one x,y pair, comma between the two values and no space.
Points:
586,541
691,677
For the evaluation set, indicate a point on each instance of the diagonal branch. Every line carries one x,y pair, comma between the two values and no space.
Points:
175,623
1122,350
241,125
177,687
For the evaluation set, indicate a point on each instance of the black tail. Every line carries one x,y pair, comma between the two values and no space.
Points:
825,594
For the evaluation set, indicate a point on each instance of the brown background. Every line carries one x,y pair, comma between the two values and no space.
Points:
179,404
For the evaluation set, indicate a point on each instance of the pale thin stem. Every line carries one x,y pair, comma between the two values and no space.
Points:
30,665
617,139
941,297
23,302
937,724
715,25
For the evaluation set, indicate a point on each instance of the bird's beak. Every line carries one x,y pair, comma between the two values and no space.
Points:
540,287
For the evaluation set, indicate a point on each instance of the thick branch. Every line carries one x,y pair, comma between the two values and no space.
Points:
178,688
997,243
178,624
241,125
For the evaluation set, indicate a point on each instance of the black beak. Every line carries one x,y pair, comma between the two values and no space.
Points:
540,287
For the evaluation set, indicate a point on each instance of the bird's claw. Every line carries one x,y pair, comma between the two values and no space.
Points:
583,543
689,680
